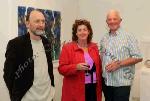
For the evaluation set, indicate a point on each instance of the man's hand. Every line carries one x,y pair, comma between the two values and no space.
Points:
113,66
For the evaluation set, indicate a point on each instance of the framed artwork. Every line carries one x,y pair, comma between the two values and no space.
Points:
52,27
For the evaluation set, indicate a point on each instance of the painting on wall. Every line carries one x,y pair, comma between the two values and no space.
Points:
52,27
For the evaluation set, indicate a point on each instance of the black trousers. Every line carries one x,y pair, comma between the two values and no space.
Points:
111,93
90,92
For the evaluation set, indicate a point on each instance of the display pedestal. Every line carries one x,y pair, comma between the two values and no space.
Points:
145,84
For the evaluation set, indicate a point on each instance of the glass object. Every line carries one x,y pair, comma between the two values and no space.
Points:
87,71
147,63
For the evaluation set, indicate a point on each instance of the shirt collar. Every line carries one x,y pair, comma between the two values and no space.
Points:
117,32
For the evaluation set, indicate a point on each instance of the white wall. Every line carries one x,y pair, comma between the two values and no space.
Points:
135,15
4,27
8,30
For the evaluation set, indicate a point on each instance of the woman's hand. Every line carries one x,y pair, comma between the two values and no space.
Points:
82,66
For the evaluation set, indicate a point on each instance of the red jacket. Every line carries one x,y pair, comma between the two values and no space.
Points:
74,81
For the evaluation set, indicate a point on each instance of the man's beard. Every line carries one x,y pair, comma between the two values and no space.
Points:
38,32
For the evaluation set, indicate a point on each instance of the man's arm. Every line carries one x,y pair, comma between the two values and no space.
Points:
118,64
130,61
9,65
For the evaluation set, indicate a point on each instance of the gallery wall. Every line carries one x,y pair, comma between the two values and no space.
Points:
135,15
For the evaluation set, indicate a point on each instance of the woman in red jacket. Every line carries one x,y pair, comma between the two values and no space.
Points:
80,65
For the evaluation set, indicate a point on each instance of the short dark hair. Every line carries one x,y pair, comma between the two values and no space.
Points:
29,13
78,23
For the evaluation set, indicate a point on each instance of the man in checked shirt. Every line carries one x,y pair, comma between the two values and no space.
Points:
119,54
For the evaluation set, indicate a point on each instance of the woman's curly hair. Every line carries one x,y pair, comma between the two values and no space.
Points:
78,23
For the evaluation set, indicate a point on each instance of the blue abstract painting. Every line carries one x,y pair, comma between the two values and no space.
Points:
52,28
